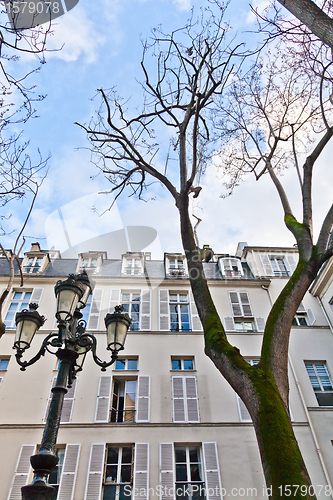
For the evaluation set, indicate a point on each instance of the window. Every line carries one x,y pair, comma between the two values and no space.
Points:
192,469
176,268
55,475
244,326
278,265
123,400
189,473
303,317
179,312
90,262
230,268
118,472
4,363
240,304
33,265
321,382
131,304
300,320
182,363
19,302
133,266
185,399
126,364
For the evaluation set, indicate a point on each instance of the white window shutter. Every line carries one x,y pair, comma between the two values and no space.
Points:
244,414
141,472
103,399
195,320
291,262
212,471
95,473
67,407
69,471
301,308
142,402
95,309
167,471
192,399
178,399
311,317
22,470
36,295
145,310
235,304
229,324
246,306
114,299
164,310
266,264
260,324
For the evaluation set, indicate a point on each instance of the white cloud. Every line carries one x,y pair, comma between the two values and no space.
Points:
260,6
77,35
183,5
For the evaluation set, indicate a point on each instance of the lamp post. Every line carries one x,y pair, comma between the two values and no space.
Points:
73,344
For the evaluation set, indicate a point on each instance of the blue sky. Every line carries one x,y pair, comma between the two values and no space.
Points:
102,48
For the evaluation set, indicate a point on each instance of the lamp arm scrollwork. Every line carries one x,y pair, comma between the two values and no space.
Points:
103,364
46,342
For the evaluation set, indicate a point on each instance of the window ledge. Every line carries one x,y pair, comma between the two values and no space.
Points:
320,408
124,371
182,371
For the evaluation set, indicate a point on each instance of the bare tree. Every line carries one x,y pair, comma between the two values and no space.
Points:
195,67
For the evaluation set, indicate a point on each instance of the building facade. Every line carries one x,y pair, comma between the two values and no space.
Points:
163,419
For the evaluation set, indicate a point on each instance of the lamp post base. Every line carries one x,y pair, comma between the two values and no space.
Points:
38,491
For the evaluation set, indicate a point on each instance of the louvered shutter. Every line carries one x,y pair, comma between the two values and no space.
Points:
301,308
142,402
235,304
229,324
141,471
311,317
1,379
192,399
167,471
291,263
195,320
95,472
164,310
145,310
114,299
22,470
266,264
95,309
178,399
103,399
260,324
67,408
69,470
212,472
36,295
245,303
244,414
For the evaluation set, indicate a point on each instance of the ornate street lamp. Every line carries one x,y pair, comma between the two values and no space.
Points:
73,344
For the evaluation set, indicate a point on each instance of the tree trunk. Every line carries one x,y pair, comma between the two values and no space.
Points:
281,458
319,23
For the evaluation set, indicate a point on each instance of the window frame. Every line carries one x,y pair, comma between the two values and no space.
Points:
182,359
135,326
21,304
33,266
126,360
126,411
200,466
230,273
119,464
178,303
319,380
4,358
60,464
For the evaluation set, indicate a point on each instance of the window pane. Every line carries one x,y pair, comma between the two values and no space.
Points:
109,492
112,455
196,472
194,454
176,364
125,492
125,473
180,453
181,472
132,364
188,364
127,455
120,364
4,364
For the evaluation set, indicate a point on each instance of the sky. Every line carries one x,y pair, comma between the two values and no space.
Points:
101,48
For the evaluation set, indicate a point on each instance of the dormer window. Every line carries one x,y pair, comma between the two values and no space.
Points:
33,265
90,262
230,267
175,266
132,264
